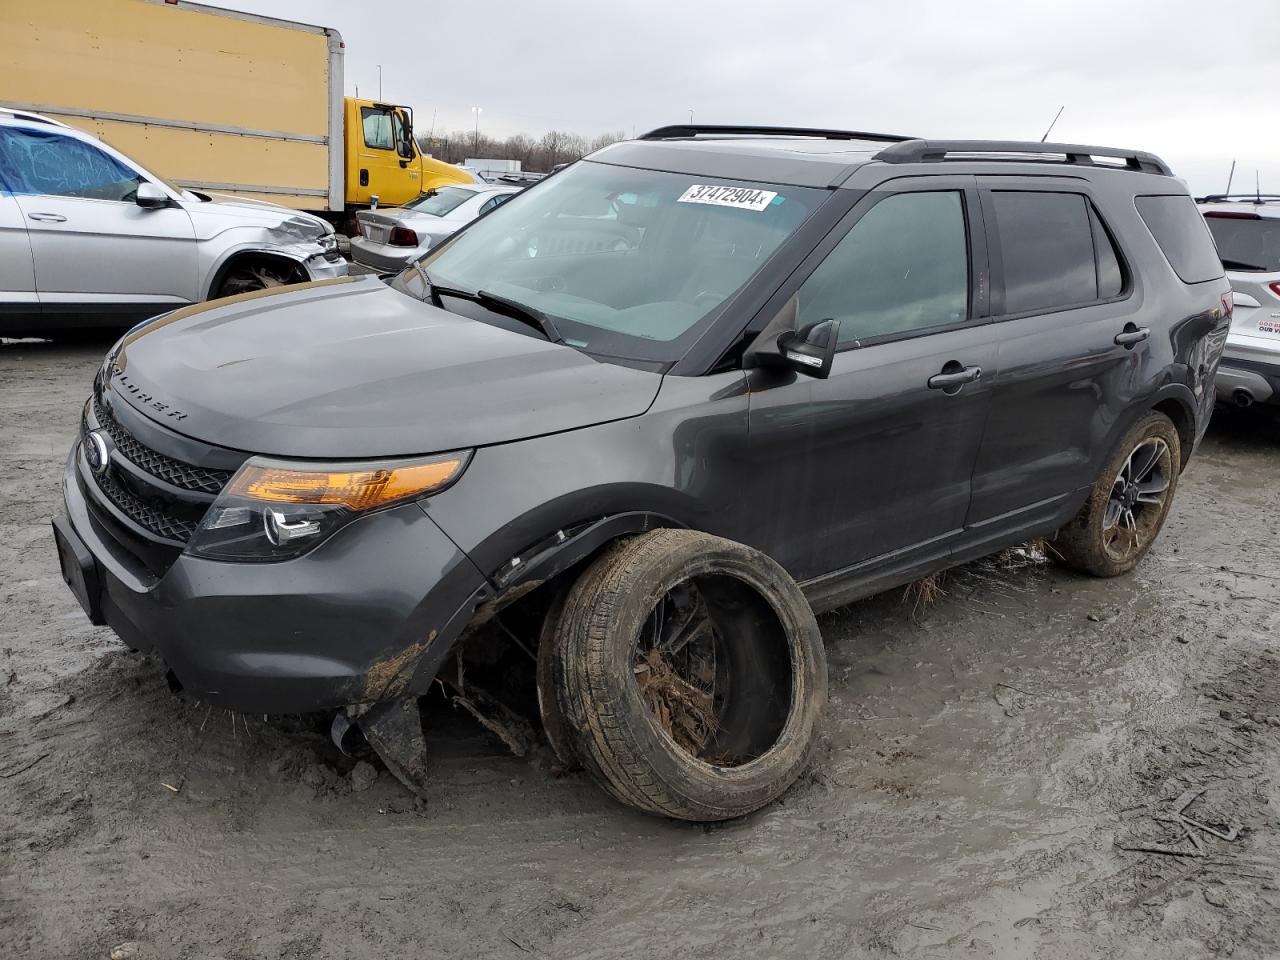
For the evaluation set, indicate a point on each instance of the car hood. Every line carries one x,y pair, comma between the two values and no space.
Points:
350,368
259,211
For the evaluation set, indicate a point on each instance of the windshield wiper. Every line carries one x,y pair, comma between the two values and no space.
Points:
428,287
512,308
1240,265
521,311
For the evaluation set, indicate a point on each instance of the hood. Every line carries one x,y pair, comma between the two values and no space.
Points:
349,368
262,211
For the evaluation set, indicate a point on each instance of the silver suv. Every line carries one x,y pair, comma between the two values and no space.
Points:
1247,231
90,238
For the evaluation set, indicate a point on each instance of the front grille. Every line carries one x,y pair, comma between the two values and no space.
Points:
175,472
164,496
146,515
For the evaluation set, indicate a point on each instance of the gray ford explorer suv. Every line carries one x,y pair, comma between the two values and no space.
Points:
647,418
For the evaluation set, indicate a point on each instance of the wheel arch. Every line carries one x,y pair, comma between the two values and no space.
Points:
540,569
1178,403
245,255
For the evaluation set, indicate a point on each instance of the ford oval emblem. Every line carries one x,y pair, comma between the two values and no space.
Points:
97,452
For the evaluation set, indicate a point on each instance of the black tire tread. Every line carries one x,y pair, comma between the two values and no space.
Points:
1079,543
603,729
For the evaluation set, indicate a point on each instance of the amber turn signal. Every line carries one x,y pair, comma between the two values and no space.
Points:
354,489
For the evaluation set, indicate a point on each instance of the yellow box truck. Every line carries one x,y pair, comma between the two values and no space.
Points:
216,100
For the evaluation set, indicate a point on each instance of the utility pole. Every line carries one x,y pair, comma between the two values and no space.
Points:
477,111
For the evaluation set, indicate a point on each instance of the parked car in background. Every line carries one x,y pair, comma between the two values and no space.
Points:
90,238
1247,231
390,240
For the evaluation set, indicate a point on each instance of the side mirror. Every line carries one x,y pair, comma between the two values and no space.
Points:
811,349
149,196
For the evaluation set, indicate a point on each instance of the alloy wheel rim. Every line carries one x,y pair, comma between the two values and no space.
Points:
679,670
1137,500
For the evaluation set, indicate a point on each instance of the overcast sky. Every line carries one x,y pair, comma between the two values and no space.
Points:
1195,81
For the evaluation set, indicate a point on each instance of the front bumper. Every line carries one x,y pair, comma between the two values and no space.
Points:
368,615
322,267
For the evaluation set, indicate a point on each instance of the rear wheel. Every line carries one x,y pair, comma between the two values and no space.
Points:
1128,504
689,673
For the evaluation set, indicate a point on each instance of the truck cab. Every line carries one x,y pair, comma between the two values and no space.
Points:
383,161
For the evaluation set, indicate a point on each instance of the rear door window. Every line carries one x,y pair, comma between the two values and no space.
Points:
1046,242
1182,235
1246,242
903,267
50,164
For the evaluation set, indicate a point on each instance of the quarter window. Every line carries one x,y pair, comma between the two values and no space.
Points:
1181,233
904,266
1110,273
50,164
1046,243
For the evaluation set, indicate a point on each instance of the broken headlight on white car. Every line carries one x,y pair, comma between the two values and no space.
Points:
277,510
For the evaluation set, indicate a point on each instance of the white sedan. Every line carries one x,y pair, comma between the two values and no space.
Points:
390,240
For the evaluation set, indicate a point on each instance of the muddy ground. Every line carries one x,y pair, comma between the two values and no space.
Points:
984,763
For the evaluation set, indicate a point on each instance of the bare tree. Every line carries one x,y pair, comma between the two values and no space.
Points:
540,155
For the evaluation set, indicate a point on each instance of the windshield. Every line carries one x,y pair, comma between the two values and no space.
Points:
626,262
437,203
1246,244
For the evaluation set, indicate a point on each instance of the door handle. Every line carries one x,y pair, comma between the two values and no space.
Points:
1131,335
954,378
47,217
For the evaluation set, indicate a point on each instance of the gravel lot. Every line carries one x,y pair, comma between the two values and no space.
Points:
985,762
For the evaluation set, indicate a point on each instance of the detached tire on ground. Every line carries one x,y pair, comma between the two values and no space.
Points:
1129,502
689,673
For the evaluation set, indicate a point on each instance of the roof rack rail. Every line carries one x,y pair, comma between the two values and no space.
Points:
685,131
1251,195
936,151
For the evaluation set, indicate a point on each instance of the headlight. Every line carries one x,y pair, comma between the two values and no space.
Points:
276,510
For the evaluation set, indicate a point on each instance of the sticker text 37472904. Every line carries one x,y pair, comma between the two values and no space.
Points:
744,198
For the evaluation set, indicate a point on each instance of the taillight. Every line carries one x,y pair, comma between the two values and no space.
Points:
1274,288
359,230
1231,215
402,237
1228,304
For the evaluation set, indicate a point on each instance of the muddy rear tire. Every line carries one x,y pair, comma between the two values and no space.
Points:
1128,504
690,675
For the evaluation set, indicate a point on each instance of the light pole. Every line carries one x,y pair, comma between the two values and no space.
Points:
477,111
691,118
380,83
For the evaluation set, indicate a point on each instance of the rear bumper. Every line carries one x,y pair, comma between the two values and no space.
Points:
1242,381
382,256
368,615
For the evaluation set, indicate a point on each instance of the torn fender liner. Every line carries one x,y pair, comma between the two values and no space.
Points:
388,678
394,730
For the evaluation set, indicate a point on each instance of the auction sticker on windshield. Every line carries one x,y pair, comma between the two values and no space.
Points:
744,198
